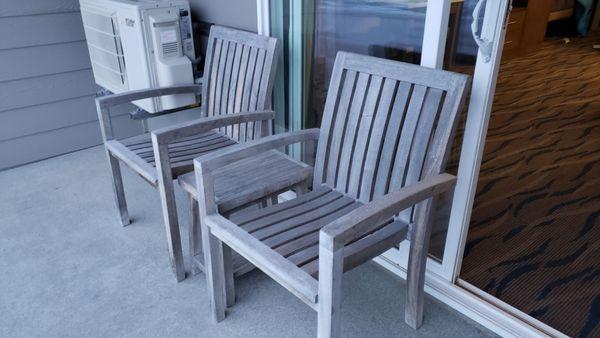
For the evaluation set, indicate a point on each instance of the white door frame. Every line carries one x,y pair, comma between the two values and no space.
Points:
442,278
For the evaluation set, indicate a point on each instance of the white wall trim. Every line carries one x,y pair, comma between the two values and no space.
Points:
434,36
502,320
262,20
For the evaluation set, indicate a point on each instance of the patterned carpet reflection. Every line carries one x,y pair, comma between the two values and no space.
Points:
534,239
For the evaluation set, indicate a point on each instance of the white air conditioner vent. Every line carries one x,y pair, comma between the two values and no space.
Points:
170,49
104,45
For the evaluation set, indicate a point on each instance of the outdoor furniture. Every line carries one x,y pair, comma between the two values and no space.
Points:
240,185
239,73
381,153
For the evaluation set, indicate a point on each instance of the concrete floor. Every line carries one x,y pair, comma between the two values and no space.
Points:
67,269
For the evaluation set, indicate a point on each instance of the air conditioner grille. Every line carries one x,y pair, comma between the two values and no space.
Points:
104,45
170,49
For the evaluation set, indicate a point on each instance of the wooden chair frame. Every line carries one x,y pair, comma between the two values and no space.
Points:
239,73
431,100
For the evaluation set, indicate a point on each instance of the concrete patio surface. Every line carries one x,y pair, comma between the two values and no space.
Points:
68,269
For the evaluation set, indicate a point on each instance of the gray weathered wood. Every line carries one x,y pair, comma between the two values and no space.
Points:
167,199
237,62
143,168
236,186
417,261
213,161
382,148
360,221
195,237
330,291
119,191
273,264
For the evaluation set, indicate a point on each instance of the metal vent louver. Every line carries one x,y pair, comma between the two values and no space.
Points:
104,45
170,49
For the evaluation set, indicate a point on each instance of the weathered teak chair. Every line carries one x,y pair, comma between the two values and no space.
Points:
239,73
382,148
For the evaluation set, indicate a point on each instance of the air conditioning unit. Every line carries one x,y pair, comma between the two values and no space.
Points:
139,45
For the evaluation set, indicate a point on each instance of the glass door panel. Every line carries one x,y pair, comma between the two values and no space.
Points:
534,234
388,29
314,31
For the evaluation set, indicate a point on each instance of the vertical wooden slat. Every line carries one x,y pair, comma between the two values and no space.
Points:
445,128
406,138
210,52
235,73
226,83
251,68
268,77
248,79
362,138
429,114
241,88
394,128
256,84
256,81
351,130
376,141
210,109
339,128
220,77
321,161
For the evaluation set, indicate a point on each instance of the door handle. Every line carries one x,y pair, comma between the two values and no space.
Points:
485,45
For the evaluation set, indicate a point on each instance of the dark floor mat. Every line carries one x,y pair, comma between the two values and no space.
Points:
534,239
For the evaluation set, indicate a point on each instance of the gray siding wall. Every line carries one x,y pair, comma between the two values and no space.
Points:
47,88
233,13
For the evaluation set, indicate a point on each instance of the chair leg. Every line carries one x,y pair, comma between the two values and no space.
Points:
167,198
119,192
301,188
195,237
215,274
263,203
229,281
330,293
274,199
417,264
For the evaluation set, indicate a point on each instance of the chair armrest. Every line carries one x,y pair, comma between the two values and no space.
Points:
208,163
340,232
205,124
134,95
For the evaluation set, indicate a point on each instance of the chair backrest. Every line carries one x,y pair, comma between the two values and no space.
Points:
386,124
238,75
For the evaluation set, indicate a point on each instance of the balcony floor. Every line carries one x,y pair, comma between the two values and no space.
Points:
68,269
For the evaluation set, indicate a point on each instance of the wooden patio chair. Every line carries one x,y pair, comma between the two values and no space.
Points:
239,73
382,149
